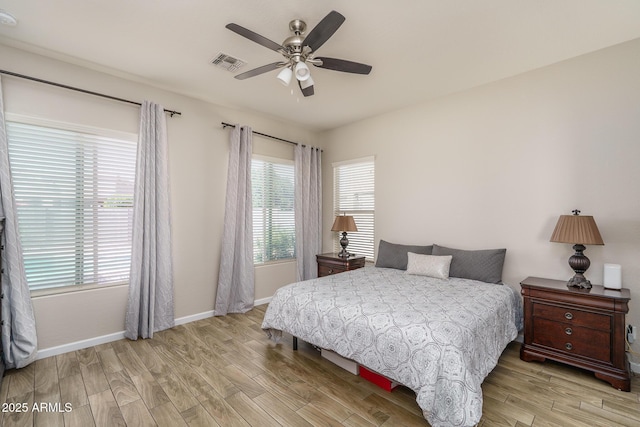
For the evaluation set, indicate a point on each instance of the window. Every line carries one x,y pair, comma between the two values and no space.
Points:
74,200
273,215
353,194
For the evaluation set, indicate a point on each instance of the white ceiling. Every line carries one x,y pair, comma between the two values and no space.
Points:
419,49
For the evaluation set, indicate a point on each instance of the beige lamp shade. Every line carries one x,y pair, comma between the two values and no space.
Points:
580,229
344,223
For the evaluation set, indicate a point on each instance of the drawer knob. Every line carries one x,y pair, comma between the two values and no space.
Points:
331,271
568,316
568,331
568,346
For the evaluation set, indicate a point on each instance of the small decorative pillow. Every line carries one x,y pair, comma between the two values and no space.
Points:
429,265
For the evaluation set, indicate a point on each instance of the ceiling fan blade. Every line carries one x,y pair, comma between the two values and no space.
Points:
259,70
307,91
344,66
255,37
324,30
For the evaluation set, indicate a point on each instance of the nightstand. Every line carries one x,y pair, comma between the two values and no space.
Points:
331,263
583,328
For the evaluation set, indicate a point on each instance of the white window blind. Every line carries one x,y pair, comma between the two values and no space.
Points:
74,198
353,194
273,215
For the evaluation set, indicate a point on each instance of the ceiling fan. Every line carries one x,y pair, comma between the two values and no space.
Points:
298,51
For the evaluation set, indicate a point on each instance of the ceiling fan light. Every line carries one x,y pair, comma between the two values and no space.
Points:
302,71
7,19
284,76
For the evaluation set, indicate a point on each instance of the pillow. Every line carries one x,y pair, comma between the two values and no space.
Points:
392,255
484,265
429,265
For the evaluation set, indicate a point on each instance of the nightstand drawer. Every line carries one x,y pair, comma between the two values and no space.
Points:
572,316
572,339
327,270
332,263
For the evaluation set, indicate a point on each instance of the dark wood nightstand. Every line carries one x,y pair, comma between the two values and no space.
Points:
331,263
583,328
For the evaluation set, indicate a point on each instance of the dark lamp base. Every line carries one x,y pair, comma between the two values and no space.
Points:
579,281
579,263
344,242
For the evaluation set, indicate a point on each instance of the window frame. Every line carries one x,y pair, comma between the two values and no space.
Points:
87,130
277,161
369,235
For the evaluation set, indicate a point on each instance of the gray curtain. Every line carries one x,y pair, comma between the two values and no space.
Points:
19,340
308,210
236,283
150,306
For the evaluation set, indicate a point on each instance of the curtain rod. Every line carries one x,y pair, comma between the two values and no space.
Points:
22,76
225,125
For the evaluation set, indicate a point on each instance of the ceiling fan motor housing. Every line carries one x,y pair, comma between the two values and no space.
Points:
293,44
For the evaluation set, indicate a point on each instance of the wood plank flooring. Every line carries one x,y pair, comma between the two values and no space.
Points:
223,371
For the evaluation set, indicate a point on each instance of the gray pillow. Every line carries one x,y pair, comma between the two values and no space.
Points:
393,255
484,265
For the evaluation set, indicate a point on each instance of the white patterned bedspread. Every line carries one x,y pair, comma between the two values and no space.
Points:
440,338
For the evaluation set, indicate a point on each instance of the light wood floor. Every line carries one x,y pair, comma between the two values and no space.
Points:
223,371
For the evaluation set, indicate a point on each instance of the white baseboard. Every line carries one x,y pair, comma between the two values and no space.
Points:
91,342
262,301
193,317
79,345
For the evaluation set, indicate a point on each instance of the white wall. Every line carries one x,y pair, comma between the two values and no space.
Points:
495,166
198,153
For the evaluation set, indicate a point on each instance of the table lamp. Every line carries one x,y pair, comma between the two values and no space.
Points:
344,223
580,230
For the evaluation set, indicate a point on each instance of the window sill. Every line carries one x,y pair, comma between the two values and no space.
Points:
278,261
73,288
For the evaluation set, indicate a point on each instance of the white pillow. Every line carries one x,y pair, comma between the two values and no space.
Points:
429,265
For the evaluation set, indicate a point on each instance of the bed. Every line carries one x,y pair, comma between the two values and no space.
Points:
438,334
